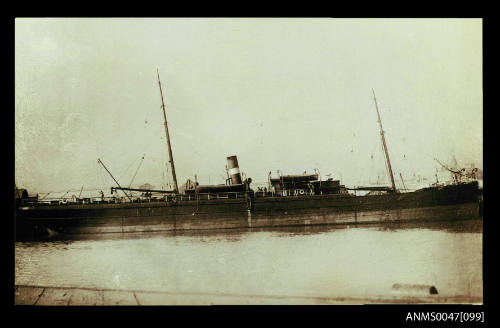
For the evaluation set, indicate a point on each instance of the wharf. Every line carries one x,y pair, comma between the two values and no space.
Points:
62,296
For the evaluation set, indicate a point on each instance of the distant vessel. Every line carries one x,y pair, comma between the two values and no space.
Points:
289,200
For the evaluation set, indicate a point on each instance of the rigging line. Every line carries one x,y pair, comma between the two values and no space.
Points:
65,194
407,145
45,196
100,162
142,160
74,190
450,170
128,168
163,180
170,156
99,176
89,178
165,168
385,162
401,176
400,147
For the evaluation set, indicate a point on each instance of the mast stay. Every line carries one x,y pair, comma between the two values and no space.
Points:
171,159
384,145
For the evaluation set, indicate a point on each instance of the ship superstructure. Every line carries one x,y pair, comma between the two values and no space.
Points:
298,199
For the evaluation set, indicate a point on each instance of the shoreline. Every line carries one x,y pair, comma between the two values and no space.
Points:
77,296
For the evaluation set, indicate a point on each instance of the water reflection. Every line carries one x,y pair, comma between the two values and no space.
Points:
321,261
455,226
472,226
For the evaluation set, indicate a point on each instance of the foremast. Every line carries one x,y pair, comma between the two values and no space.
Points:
171,159
384,145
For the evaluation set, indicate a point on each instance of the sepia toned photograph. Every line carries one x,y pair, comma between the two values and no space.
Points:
248,161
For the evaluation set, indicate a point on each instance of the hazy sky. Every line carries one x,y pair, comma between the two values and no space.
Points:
287,94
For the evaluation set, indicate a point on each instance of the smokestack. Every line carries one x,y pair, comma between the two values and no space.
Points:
234,170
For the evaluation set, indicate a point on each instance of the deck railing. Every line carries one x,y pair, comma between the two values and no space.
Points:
165,198
142,199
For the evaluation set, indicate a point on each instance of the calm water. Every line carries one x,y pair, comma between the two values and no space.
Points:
303,261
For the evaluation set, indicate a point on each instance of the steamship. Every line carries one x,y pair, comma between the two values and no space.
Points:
289,200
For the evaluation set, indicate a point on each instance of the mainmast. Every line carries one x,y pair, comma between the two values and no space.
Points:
384,145
168,136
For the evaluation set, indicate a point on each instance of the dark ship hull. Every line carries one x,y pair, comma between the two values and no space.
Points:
453,202
295,200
